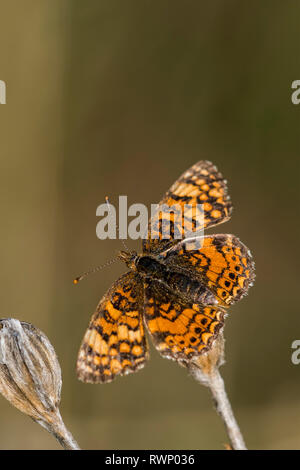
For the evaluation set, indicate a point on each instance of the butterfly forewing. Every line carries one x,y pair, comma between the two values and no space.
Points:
201,185
223,264
115,342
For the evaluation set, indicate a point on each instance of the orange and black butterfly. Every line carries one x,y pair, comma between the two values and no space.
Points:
179,293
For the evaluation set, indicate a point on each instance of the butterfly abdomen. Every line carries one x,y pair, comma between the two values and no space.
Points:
178,283
189,289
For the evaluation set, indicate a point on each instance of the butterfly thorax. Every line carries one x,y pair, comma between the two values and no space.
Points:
181,285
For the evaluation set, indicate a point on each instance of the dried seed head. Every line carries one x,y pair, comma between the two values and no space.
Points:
30,376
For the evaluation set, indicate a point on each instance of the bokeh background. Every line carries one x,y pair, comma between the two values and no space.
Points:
114,97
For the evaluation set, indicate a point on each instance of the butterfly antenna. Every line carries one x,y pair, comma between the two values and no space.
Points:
118,230
94,270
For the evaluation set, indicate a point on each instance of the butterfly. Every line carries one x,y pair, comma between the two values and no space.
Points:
177,290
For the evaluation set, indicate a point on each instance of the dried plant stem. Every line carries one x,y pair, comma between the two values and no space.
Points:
214,381
223,407
57,428
206,371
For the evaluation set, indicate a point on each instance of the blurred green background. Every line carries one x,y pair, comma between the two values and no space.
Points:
117,97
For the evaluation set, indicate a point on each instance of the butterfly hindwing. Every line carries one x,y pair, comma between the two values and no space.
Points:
115,342
180,331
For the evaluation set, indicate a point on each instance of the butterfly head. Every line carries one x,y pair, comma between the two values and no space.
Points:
129,258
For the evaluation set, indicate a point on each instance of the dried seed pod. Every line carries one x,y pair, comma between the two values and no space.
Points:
30,376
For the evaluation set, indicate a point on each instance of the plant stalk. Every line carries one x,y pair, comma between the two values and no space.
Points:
223,407
57,428
206,371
